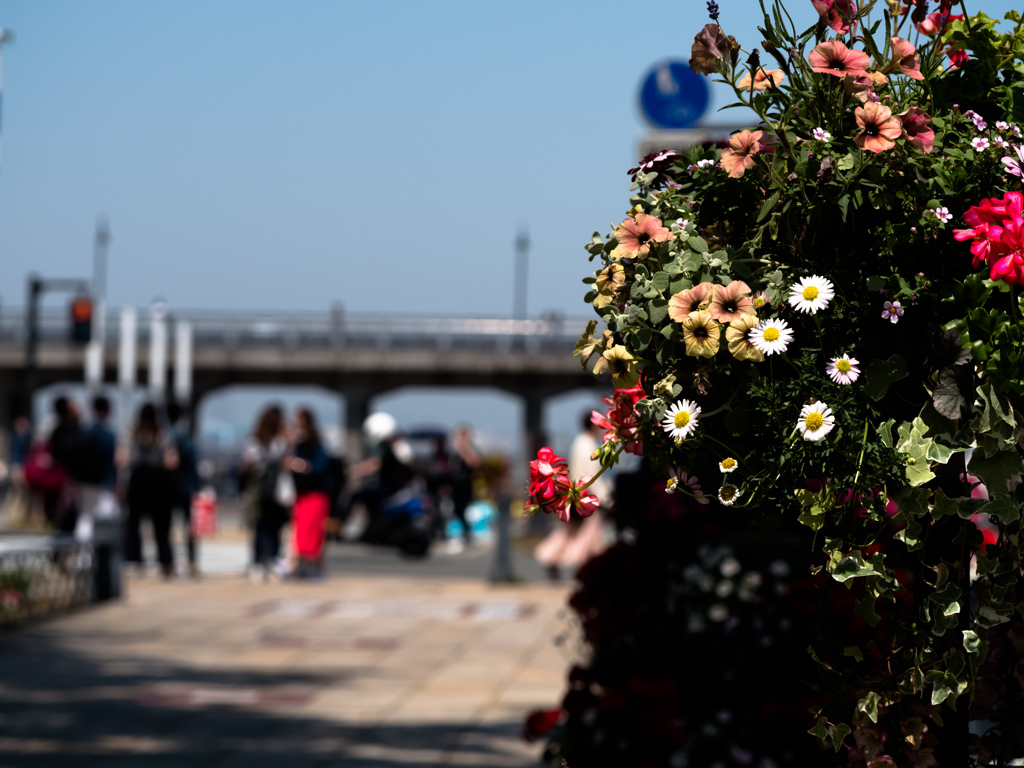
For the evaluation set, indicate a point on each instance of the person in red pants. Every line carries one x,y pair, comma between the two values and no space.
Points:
310,469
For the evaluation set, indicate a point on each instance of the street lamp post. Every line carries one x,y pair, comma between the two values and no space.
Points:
6,36
522,256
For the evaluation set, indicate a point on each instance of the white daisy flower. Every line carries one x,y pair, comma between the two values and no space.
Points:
728,464
811,294
843,370
816,421
689,483
770,336
728,494
681,419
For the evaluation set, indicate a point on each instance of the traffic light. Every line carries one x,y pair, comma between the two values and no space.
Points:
81,320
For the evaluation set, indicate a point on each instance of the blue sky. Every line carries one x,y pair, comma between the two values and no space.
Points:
286,155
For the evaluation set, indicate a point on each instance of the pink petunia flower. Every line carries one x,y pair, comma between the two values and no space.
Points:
762,80
905,59
731,301
838,14
834,58
636,236
879,129
917,124
739,157
691,300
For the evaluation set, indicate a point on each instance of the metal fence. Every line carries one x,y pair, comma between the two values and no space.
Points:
40,576
552,333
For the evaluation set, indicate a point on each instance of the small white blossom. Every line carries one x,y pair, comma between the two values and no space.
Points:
980,143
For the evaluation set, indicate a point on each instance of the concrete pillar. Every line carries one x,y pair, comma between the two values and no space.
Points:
357,408
534,436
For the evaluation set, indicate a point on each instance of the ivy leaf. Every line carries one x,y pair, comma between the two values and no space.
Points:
944,505
885,432
839,732
948,598
852,567
972,643
996,470
869,706
1003,507
865,608
820,729
995,410
880,374
989,617
945,685
912,441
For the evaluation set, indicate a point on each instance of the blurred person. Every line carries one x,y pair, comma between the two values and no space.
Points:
98,491
18,502
153,462
439,486
311,472
571,544
261,465
463,462
187,480
72,452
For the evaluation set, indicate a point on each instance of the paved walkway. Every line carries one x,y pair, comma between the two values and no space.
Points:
352,671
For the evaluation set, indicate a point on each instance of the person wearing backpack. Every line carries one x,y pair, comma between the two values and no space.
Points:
153,463
264,504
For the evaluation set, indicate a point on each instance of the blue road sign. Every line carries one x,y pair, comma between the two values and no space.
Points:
673,95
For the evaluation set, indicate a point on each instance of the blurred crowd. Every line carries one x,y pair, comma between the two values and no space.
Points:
78,478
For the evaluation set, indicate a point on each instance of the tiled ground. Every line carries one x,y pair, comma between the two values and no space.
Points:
352,671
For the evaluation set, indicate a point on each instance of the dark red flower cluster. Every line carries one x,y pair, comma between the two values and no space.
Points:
553,492
997,229
621,423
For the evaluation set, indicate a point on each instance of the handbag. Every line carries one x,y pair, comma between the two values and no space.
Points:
284,489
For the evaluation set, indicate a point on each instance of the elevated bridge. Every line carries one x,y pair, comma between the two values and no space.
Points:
359,356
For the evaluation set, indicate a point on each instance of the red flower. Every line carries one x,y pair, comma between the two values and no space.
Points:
997,229
540,722
620,423
547,471
957,58
834,58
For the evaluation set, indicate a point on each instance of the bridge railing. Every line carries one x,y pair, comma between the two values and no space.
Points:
550,334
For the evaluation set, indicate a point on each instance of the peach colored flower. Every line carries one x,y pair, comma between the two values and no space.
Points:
731,301
740,155
762,80
691,300
879,129
834,58
739,345
701,334
636,235
609,280
905,59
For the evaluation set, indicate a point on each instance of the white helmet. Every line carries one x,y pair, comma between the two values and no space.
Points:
379,427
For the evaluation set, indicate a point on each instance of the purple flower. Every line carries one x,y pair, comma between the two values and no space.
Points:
892,311
713,10
658,162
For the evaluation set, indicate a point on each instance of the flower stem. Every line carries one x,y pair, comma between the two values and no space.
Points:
863,447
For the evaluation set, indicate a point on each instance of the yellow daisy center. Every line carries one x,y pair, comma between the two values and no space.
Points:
810,293
728,463
681,419
813,420
727,493
843,365
771,334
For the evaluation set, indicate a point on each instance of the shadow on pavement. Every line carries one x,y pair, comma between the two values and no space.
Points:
61,708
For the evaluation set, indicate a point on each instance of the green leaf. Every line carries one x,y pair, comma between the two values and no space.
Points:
948,598
839,732
767,207
852,567
846,162
944,505
880,374
854,651
865,608
657,310
1002,507
995,471
945,685
820,729
989,617
972,643
875,283
586,338
660,282
885,432
692,260
869,706
698,244
947,398
995,410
